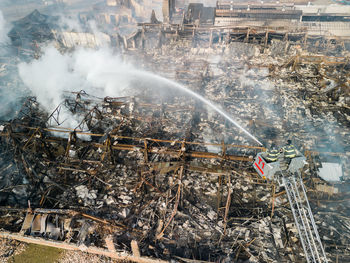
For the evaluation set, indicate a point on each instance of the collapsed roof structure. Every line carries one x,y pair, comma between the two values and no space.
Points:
34,28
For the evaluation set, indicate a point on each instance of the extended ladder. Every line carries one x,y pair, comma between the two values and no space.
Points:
304,220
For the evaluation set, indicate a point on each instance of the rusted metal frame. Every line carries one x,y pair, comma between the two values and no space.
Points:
27,167
43,144
145,153
103,221
69,142
139,185
89,172
223,150
273,200
238,252
252,180
266,37
178,194
247,245
116,129
296,62
228,202
219,192
73,169
108,149
149,184
87,118
174,152
280,193
67,130
162,168
80,126
216,156
273,190
247,36
31,137
123,256
74,105
250,242
256,178
182,150
42,200
143,180
56,111
304,59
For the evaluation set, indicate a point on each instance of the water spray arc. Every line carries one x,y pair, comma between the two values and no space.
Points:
87,69
196,95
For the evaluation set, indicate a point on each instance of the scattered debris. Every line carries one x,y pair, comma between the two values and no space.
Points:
145,179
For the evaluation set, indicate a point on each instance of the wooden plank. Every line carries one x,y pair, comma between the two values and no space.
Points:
135,248
27,222
93,250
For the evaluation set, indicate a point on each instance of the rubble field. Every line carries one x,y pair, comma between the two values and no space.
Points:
155,178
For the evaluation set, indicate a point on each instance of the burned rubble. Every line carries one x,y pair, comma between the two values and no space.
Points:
143,176
148,179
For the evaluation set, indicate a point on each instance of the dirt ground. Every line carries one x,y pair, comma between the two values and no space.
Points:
12,251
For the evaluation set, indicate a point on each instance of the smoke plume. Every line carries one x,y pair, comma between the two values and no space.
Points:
98,72
12,90
3,29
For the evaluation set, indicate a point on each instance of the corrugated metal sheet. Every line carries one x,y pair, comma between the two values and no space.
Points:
331,172
72,39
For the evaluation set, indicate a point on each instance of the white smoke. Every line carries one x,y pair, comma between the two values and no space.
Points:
3,29
11,91
69,24
98,72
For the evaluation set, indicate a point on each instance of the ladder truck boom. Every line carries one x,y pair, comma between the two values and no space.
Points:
289,177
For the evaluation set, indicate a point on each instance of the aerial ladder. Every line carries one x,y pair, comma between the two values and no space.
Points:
289,177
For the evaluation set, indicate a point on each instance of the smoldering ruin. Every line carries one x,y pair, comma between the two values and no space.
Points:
104,150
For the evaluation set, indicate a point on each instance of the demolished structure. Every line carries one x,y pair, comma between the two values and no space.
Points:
145,179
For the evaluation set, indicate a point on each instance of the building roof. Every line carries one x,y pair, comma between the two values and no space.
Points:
324,9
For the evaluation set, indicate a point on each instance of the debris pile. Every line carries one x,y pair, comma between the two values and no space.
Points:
145,176
29,32
173,197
